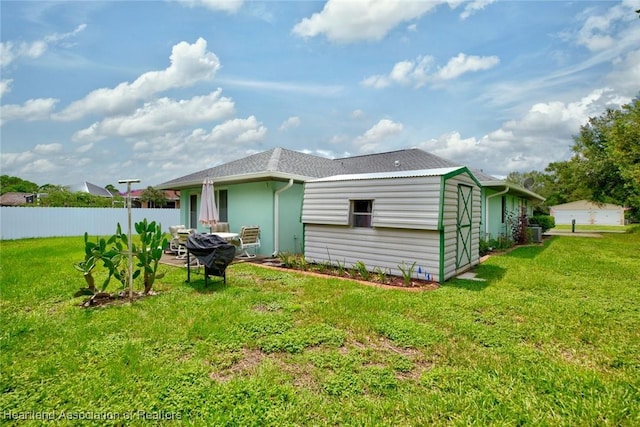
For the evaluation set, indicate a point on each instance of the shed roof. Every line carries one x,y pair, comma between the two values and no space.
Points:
387,175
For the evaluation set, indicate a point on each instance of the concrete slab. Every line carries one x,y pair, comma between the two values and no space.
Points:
470,276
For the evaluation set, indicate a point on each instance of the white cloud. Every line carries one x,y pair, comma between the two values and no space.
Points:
31,110
626,74
231,6
372,139
160,116
247,130
463,64
543,135
5,86
602,31
39,162
291,122
357,114
168,154
11,51
474,6
418,72
356,20
190,63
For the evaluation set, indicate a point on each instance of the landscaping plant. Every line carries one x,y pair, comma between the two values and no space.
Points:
112,252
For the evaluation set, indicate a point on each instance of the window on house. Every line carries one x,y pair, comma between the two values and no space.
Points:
361,211
504,208
222,205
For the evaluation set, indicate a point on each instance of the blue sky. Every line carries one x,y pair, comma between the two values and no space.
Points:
102,91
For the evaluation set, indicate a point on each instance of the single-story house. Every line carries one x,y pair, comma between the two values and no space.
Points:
587,213
428,219
503,201
267,188
173,199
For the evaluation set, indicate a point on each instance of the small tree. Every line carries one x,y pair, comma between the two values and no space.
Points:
154,198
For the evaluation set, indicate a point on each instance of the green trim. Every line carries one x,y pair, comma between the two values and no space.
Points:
462,170
443,182
464,230
441,275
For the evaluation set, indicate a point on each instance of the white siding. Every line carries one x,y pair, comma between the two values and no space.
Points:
449,223
375,247
406,223
411,202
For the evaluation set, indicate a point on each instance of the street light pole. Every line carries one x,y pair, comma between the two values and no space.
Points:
128,182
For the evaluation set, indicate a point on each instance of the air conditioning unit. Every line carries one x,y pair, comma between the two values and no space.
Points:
536,233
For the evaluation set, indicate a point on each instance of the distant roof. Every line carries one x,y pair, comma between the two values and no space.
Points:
169,194
87,187
16,199
281,163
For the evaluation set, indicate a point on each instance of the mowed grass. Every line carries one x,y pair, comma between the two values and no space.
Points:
552,337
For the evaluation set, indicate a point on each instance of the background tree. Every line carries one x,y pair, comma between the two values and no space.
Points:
154,198
59,196
11,184
608,155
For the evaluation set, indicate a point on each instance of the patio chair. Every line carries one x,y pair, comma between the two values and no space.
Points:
221,227
249,238
174,243
183,235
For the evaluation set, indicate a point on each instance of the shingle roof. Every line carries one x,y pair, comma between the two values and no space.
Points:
283,163
278,161
16,199
401,160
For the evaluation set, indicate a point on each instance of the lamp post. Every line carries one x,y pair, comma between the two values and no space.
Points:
128,182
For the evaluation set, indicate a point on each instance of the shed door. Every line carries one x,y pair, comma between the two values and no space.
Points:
463,226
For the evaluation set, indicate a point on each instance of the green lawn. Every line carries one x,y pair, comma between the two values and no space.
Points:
551,338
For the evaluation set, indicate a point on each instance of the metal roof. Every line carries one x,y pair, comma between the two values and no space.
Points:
394,174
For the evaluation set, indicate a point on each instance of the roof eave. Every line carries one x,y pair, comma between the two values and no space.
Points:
514,189
237,179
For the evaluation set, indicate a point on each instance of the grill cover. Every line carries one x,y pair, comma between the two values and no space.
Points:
212,251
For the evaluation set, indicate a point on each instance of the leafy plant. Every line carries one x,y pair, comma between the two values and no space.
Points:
112,253
407,272
361,269
517,223
546,222
382,274
152,245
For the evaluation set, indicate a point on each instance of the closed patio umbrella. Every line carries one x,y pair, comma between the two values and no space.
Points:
208,211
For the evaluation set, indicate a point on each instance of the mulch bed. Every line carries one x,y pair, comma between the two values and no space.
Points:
393,282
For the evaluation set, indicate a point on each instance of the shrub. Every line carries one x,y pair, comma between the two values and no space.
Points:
546,222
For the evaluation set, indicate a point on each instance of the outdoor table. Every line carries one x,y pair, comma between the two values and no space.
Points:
226,236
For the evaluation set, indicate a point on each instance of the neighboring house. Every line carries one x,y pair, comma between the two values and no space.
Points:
17,199
502,203
587,213
266,189
87,187
173,199
428,219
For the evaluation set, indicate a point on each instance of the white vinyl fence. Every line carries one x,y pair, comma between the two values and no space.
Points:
27,222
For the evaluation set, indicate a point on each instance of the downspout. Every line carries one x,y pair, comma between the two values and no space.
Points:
486,210
276,217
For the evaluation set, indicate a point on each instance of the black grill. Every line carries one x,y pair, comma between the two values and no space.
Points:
213,252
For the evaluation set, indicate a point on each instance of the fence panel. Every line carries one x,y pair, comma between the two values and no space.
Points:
28,222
